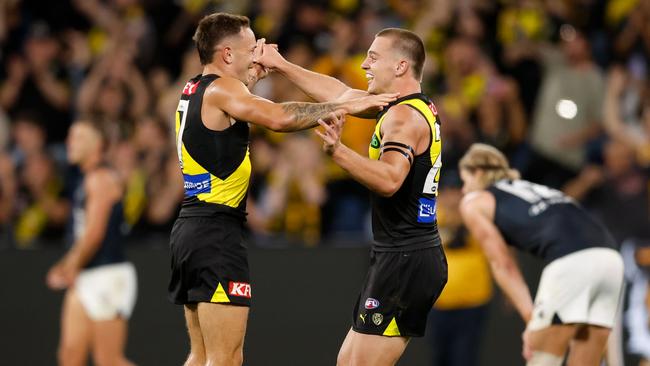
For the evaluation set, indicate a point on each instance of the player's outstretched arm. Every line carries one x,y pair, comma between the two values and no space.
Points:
321,88
475,209
386,175
232,96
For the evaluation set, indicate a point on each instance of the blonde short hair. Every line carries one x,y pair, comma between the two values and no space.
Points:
490,161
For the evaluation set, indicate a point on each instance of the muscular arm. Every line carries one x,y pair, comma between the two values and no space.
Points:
386,175
477,210
232,97
320,87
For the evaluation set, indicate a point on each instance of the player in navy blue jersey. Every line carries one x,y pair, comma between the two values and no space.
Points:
100,284
580,287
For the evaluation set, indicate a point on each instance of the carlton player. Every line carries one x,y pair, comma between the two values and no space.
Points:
579,290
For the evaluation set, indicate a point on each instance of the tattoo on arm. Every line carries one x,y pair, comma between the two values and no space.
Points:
306,115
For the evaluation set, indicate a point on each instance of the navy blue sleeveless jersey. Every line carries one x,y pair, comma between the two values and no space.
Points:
111,249
545,222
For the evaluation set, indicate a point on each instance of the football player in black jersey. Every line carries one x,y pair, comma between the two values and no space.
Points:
580,287
408,269
210,274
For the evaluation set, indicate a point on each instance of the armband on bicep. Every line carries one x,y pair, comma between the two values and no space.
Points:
407,151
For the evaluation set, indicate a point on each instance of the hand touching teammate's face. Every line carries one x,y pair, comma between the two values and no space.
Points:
269,56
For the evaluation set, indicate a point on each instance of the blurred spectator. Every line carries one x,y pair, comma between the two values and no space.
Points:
307,22
633,38
40,210
458,318
627,112
480,104
636,256
159,163
268,17
114,89
618,186
121,21
168,98
37,82
568,111
295,191
521,22
345,212
4,131
154,187
7,192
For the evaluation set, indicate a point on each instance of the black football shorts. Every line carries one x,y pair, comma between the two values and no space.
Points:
209,261
399,290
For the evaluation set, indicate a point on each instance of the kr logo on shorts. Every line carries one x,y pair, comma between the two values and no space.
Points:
240,289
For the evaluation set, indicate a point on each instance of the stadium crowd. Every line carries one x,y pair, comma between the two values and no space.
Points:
560,86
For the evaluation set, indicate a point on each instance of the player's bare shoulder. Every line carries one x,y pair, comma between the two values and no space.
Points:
219,98
403,119
478,201
402,115
225,87
104,182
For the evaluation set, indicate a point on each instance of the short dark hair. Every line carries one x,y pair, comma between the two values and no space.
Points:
408,43
213,29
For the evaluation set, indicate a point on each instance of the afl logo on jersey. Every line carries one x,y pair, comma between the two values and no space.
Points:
371,303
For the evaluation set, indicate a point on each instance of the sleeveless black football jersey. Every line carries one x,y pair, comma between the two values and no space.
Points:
215,164
408,218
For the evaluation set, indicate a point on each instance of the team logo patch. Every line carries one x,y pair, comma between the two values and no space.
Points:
427,210
377,318
371,303
197,184
241,289
375,142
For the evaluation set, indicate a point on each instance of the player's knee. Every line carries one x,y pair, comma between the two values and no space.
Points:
544,359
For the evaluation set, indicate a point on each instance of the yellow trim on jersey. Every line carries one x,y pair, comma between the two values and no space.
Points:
374,150
375,145
219,295
230,191
392,330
